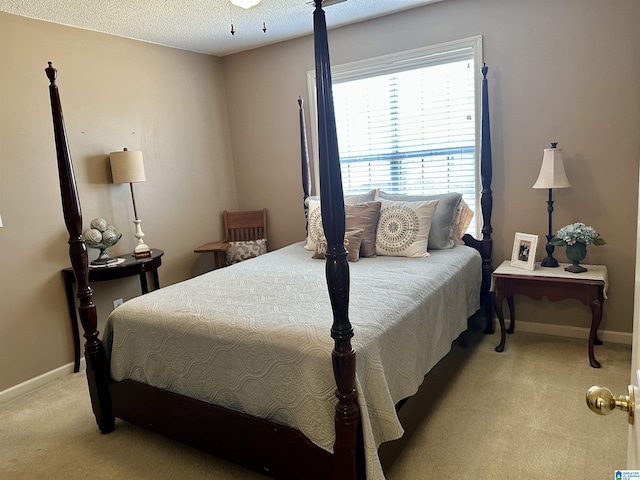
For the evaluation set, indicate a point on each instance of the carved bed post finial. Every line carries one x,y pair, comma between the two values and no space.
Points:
347,415
52,73
97,368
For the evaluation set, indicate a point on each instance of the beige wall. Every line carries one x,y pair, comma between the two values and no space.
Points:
115,93
559,71
563,71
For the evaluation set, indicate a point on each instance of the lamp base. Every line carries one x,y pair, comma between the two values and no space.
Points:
549,261
141,250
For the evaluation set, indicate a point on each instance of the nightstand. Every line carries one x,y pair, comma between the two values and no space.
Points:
556,284
128,268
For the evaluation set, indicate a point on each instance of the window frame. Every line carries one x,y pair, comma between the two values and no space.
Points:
415,58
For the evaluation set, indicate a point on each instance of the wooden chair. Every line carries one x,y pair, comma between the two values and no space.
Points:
238,227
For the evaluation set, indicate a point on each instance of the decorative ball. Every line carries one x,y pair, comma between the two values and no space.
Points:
108,236
99,224
93,235
110,227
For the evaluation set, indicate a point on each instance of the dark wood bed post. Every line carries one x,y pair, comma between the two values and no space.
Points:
347,416
485,245
304,159
97,368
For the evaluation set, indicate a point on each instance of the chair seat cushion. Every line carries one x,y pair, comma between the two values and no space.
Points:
239,251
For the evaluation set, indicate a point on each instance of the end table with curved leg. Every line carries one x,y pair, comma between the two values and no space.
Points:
128,268
555,284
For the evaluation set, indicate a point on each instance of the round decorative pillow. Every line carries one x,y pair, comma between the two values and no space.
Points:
397,228
314,225
403,228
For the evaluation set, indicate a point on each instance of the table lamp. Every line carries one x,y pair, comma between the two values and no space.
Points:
128,167
552,175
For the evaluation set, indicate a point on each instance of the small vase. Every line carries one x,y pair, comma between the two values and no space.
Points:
576,254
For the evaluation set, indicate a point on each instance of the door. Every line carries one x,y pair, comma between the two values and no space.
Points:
633,449
601,400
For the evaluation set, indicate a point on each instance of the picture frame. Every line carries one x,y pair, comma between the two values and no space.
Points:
524,251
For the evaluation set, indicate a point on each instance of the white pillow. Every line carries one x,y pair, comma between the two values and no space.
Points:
461,221
403,228
239,251
314,225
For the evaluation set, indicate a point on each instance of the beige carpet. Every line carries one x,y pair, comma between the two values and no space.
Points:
516,415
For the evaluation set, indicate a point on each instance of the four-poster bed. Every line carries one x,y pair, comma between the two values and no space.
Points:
287,441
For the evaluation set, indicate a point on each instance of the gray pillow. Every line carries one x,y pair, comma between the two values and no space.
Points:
369,196
440,235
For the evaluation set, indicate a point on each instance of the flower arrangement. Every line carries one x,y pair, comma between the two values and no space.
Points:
577,233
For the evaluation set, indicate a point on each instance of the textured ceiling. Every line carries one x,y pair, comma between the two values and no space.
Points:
202,25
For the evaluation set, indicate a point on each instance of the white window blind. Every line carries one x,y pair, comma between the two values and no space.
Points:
409,123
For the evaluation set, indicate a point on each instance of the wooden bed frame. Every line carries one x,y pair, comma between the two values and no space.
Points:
261,445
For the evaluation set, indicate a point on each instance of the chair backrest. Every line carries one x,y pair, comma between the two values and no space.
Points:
243,226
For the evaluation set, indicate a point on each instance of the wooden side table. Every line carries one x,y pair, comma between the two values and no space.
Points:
218,249
130,267
556,284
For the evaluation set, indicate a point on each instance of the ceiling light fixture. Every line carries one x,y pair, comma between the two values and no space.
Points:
245,3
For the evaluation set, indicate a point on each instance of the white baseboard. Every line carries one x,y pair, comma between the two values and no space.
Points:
38,382
571,332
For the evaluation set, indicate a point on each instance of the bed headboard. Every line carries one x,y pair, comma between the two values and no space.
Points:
330,176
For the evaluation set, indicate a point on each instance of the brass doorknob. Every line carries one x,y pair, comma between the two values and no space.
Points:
601,401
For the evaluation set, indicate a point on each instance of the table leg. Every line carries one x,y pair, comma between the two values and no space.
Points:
71,303
498,299
512,315
156,280
144,286
487,307
218,259
596,317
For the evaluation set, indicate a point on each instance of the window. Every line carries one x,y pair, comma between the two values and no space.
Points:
409,123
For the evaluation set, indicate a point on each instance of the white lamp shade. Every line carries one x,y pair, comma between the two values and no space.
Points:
127,166
245,3
552,174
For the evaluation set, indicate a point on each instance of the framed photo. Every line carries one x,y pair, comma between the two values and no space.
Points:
524,251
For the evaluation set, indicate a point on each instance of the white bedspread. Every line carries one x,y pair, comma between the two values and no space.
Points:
255,336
